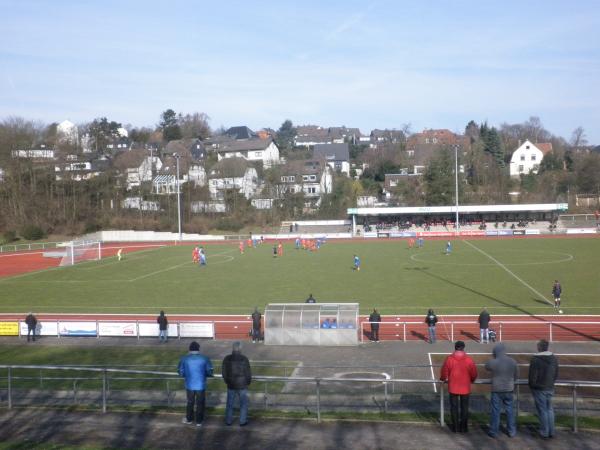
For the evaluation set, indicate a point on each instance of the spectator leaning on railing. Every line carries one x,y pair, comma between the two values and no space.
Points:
505,372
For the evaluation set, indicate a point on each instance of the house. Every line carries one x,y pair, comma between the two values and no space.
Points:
309,135
138,166
40,154
391,136
527,157
393,180
80,168
138,203
421,147
241,133
311,178
166,180
119,143
1,174
232,174
194,148
337,156
262,150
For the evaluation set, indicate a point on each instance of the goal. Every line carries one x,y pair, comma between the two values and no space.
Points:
78,251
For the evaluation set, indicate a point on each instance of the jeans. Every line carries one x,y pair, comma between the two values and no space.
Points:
162,335
431,334
484,333
199,399
231,395
545,411
459,411
31,331
256,334
500,400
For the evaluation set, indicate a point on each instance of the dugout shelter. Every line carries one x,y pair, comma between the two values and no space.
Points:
311,324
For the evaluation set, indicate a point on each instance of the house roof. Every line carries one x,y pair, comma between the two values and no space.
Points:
241,132
243,146
229,168
335,152
308,167
545,147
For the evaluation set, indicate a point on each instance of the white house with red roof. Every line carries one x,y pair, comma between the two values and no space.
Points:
527,158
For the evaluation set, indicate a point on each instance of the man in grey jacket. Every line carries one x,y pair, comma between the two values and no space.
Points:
505,372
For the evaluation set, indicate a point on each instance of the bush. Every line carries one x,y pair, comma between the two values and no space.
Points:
32,233
9,236
229,224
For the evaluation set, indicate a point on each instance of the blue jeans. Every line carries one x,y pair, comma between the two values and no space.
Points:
231,395
162,335
545,410
484,333
431,334
500,400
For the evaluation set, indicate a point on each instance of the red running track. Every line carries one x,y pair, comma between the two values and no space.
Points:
393,328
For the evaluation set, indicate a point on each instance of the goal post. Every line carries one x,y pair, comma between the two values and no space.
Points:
79,251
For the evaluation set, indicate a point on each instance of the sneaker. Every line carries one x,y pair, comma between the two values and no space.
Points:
243,424
199,424
185,421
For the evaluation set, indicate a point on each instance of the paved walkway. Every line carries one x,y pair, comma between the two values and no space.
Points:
165,431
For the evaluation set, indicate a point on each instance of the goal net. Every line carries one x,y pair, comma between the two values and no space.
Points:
78,251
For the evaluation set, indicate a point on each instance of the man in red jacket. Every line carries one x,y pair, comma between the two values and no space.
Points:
459,371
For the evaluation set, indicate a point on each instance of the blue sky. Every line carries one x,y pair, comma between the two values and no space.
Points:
434,64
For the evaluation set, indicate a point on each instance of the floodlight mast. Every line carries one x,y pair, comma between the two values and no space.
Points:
176,155
456,224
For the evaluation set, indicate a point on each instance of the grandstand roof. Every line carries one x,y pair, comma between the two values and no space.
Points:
464,209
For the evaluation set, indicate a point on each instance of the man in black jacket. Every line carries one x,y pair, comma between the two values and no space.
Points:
431,319
31,322
374,319
543,371
484,326
256,318
237,375
163,326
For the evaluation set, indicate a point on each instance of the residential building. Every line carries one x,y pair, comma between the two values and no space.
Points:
40,154
66,131
241,133
232,174
138,166
421,147
260,150
527,157
337,156
312,178
392,136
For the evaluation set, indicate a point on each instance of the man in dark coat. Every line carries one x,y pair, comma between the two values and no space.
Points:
31,322
484,326
163,326
238,376
431,320
256,317
374,319
543,371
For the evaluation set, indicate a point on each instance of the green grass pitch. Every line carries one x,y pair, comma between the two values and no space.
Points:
509,276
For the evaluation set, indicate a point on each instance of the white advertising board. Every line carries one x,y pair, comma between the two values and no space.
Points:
197,329
77,328
580,230
42,329
117,329
151,330
532,232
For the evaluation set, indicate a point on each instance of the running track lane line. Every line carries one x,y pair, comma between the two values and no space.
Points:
432,373
535,291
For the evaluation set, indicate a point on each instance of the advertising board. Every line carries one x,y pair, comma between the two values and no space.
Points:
43,328
117,329
197,329
9,328
146,329
77,328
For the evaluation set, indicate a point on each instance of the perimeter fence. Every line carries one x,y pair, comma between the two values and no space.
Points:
103,388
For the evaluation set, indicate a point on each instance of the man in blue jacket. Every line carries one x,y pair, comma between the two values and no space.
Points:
195,368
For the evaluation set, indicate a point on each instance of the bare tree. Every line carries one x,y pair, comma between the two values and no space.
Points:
578,137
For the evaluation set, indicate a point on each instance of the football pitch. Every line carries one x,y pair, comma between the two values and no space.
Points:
508,276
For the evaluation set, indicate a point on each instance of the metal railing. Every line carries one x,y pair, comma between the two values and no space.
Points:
318,382
448,329
27,247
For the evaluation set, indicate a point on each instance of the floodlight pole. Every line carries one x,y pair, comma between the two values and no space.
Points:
178,197
457,226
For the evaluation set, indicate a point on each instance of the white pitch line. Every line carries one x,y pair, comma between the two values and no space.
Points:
172,267
432,373
535,291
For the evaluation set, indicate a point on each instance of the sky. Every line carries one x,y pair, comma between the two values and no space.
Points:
380,64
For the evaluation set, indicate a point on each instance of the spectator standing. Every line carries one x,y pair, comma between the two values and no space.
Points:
195,368
431,320
237,376
311,299
31,322
374,319
556,291
505,372
543,371
256,318
484,326
163,326
459,371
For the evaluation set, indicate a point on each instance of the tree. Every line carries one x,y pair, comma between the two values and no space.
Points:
578,137
439,179
194,126
285,135
169,126
102,131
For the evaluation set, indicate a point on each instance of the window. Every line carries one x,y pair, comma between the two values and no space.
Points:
533,157
304,177
522,157
258,154
527,147
521,169
434,140
410,153
312,190
312,177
